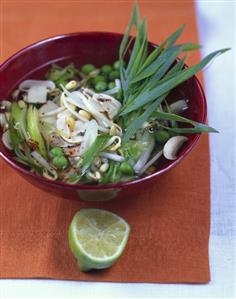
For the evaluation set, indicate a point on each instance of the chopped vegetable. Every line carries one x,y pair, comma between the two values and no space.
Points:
60,162
87,68
36,141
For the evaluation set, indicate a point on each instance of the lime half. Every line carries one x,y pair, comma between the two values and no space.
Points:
97,238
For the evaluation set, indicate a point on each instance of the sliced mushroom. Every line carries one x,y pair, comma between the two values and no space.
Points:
27,84
37,90
172,147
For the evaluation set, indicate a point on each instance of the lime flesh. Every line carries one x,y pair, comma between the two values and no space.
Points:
97,238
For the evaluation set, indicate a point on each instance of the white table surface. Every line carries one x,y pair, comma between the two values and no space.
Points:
216,22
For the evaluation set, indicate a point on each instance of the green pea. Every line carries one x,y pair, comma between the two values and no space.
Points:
126,168
56,152
99,79
162,136
101,86
114,75
60,162
87,68
106,69
111,85
116,65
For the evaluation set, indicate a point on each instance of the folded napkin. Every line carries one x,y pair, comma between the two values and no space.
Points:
169,221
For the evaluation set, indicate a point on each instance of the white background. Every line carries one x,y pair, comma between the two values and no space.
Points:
216,22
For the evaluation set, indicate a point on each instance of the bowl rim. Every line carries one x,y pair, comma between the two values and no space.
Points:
119,185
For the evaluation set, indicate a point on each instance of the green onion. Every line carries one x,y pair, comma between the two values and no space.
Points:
149,78
197,127
94,151
32,120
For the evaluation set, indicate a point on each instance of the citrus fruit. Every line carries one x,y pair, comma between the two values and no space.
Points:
97,238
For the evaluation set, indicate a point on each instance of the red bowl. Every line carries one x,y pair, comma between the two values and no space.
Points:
98,48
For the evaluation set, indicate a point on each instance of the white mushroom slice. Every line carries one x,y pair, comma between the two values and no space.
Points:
172,147
6,139
37,94
37,90
27,84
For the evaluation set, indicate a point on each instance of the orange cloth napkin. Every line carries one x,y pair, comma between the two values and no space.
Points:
170,221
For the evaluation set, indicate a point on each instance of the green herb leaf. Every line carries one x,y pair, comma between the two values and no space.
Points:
168,85
197,127
133,20
137,123
159,67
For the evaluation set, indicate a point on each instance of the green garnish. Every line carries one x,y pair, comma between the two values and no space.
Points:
93,151
149,78
36,138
